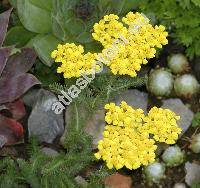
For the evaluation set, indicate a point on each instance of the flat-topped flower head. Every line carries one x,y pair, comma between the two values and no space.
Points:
73,60
122,146
162,124
127,136
127,44
123,115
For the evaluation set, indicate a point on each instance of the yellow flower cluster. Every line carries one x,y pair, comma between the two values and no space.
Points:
123,144
127,46
127,134
108,30
74,62
123,115
162,123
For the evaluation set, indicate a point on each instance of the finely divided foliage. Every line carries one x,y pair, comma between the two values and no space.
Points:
182,19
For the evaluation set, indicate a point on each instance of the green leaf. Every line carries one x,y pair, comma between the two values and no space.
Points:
195,185
13,3
59,31
196,2
103,4
44,45
46,75
18,36
196,120
44,4
34,18
15,51
119,7
75,26
185,3
93,47
124,6
84,37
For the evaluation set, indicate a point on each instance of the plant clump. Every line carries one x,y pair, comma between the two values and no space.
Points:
126,139
195,143
178,63
14,82
173,156
186,86
179,185
154,172
160,82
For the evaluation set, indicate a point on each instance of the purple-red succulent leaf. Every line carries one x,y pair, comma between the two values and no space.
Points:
17,109
14,87
3,107
11,131
4,19
19,63
4,55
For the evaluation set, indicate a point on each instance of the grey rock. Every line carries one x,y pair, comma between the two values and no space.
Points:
30,98
95,126
186,115
43,122
192,173
134,98
50,152
81,181
3,140
179,185
3,107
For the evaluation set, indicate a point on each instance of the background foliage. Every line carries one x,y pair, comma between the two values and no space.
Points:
182,19
47,23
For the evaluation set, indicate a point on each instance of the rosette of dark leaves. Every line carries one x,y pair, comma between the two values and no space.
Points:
14,82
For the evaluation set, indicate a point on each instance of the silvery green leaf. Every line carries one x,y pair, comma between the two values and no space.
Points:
44,45
33,18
